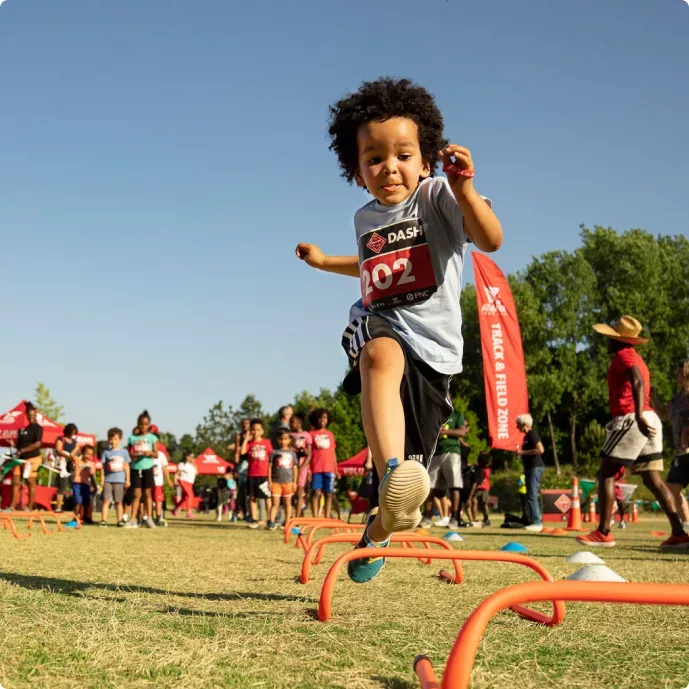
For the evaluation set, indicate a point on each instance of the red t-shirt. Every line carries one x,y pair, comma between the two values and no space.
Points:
485,484
258,452
323,458
620,389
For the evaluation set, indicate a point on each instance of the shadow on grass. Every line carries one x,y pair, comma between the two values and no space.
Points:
77,588
394,683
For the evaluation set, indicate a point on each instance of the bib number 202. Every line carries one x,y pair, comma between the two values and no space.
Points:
382,276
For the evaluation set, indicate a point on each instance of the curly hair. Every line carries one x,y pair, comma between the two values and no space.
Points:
382,100
315,416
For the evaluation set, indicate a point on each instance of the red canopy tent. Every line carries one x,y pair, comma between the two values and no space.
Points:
354,466
209,464
15,419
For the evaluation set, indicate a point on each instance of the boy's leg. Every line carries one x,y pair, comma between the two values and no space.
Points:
606,493
287,506
300,501
119,512
316,501
680,501
653,481
104,510
274,507
135,504
253,508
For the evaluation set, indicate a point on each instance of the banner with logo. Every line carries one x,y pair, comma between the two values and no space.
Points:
504,372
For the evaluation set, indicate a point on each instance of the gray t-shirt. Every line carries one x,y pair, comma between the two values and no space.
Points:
281,464
411,258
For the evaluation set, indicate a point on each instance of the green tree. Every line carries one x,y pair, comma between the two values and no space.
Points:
186,445
46,404
250,408
217,430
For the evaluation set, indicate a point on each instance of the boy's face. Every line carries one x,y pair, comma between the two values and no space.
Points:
295,424
323,421
284,441
115,441
257,430
390,163
88,455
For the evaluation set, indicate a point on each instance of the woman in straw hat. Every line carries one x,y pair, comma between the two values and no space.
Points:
634,437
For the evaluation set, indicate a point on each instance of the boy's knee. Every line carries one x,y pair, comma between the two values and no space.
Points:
381,353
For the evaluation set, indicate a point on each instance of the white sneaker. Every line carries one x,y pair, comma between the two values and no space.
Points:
253,525
454,524
443,521
148,523
427,523
534,527
477,525
131,525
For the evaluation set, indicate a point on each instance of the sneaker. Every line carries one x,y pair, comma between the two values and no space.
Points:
125,518
162,522
596,539
403,491
218,518
148,523
121,523
233,518
676,542
103,523
426,523
191,515
622,525
131,525
454,524
175,512
534,527
486,522
443,522
463,525
362,571
253,525
57,511
269,526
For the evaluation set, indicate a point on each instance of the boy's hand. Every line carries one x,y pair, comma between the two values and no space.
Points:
460,158
311,254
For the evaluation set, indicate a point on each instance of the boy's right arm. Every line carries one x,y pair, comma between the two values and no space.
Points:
343,265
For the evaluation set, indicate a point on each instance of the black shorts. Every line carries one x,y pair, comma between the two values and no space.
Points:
425,393
679,471
63,485
142,478
254,487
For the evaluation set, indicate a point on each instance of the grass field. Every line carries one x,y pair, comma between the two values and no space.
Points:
206,605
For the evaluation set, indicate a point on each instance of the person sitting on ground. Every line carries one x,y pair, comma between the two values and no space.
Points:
84,483
634,437
531,451
323,461
259,450
677,412
114,476
65,449
303,445
282,479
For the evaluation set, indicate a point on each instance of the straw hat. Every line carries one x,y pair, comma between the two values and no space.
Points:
626,330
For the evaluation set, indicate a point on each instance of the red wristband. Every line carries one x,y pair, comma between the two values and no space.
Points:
454,170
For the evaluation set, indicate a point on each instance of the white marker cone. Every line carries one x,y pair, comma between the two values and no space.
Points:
584,557
595,573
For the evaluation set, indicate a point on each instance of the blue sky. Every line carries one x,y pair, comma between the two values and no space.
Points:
160,159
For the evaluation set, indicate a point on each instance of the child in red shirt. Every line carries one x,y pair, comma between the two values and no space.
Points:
258,450
323,461
483,488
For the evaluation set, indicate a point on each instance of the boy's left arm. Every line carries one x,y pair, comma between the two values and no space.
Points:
481,225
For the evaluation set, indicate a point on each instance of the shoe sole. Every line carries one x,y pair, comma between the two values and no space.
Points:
403,493
596,544
680,546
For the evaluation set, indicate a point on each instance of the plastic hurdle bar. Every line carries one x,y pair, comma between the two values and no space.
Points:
40,516
10,526
350,528
305,521
314,554
461,660
457,556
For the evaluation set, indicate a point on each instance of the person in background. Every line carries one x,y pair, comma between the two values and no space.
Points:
622,502
677,412
84,483
142,451
114,476
282,423
282,479
521,491
483,488
65,450
473,476
259,450
323,461
531,452
185,477
29,444
302,442
241,463
161,477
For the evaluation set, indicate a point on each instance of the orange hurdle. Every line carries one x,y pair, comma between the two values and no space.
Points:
10,526
305,521
325,602
41,519
350,528
461,660
315,552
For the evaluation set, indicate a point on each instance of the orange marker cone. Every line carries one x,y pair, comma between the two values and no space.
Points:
635,513
574,521
592,511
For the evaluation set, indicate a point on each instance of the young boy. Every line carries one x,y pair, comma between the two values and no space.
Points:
404,339
258,450
114,476
161,476
302,444
323,462
83,483
282,479
483,488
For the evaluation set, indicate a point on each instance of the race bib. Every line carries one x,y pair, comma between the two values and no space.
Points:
285,462
395,265
142,446
299,443
116,465
322,442
258,452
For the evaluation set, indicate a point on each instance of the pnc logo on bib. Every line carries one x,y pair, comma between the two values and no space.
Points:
376,243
